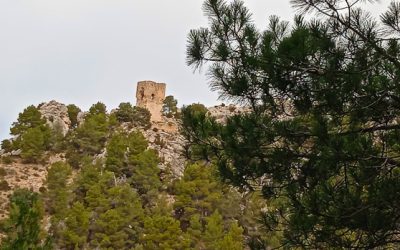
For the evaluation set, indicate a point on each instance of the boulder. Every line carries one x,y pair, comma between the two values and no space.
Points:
56,115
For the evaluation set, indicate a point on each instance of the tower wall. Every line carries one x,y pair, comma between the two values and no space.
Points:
150,95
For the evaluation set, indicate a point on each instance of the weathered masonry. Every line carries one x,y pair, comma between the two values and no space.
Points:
150,95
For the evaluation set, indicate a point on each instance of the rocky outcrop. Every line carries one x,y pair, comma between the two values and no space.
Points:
222,112
169,146
56,115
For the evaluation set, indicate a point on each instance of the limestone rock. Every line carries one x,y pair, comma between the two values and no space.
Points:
56,115
222,112
81,117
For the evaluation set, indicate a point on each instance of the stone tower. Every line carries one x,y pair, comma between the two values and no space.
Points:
150,95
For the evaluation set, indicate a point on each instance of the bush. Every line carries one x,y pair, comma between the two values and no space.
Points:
34,143
138,116
7,159
4,186
3,172
6,145
73,112
124,112
141,117
42,189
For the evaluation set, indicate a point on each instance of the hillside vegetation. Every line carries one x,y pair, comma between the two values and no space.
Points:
115,181
312,160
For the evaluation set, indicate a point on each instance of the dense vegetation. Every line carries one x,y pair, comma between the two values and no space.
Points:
322,139
313,165
122,199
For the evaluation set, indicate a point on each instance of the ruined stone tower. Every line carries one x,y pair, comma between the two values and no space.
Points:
150,95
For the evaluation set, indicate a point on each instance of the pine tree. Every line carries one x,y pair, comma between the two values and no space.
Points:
170,106
58,192
233,239
34,142
163,232
197,192
322,132
116,213
116,153
73,112
75,233
214,231
89,139
22,228
29,118
145,174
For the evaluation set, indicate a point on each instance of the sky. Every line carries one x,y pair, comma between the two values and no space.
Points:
85,51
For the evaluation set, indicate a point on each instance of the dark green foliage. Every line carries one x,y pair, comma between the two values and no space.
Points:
73,112
33,135
58,197
196,127
145,174
142,117
138,116
125,112
128,156
216,237
197,192
116,152
34,142
122,150
88,176
322,138
137,143
58,192
163,232
170,108
22,228
121,201
89,138
97,109
74,234
117,213
29,118
6,145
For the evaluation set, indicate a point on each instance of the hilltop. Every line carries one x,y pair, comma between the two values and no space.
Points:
80,139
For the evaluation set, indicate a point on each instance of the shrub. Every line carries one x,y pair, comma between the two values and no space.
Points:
7,159
4,186
3,172
142,117
42,189
6,145
73,112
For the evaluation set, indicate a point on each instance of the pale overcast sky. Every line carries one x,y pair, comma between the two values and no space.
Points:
84,51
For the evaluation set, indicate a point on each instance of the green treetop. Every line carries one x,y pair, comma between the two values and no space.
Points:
170,106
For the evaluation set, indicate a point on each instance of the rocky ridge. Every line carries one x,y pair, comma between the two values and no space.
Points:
163,136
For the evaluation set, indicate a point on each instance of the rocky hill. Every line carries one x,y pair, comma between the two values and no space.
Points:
163,136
